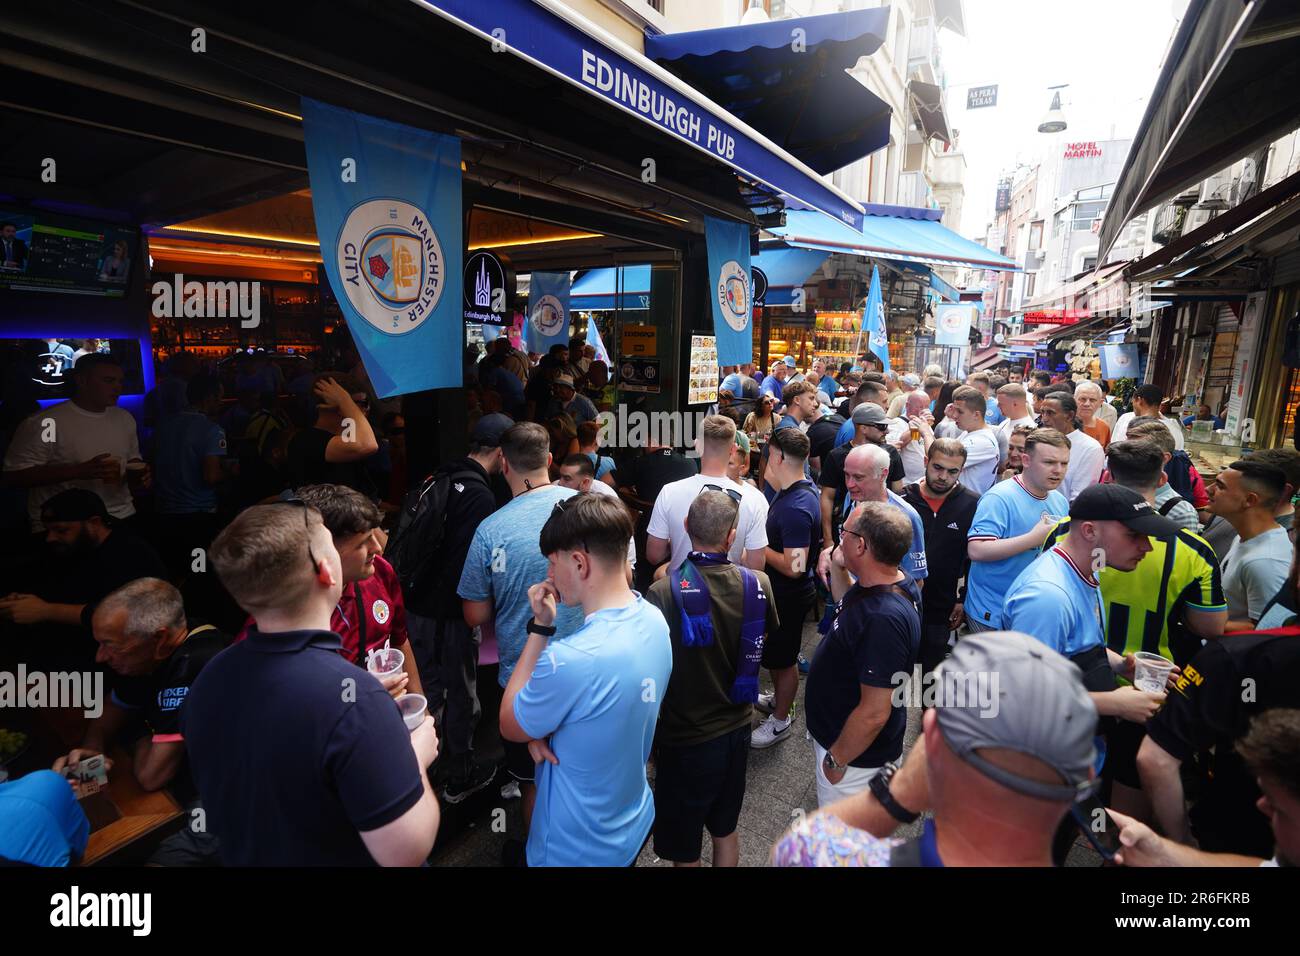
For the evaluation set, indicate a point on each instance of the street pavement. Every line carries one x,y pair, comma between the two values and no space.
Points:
780,784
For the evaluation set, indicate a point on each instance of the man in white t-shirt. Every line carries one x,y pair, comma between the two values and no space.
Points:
1146,401
84,442
666,536
978,438
1013,403
577,472
1087,458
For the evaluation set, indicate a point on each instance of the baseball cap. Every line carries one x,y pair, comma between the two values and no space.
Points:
489,429
868,413
911,380
788,360
563,380
75,504
1041,710
742,441
1111,502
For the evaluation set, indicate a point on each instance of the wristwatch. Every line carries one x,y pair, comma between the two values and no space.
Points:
542,629
831,764
879,785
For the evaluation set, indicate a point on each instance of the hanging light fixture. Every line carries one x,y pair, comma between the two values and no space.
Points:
1054,121
755,14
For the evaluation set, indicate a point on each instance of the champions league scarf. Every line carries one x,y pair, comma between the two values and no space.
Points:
691,595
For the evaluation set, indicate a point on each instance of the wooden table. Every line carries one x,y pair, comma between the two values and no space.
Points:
120,815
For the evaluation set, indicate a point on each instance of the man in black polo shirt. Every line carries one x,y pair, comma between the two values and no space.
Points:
876,635
301,758
1228,682
155,656
88,555
794,542
946,508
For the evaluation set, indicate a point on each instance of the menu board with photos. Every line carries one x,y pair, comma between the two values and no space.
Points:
703,389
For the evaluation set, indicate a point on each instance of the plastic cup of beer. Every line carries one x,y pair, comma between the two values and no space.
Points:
1151,672
385,662
135,472
116,464
916,433
412,707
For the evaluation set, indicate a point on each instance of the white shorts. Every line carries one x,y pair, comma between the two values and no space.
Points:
855,780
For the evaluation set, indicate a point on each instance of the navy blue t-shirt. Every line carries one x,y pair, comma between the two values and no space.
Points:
875,637
794,520
295,750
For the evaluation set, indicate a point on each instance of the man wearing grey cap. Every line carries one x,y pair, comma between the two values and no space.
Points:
1004,752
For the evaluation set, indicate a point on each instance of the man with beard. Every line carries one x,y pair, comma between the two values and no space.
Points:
89,556
946,508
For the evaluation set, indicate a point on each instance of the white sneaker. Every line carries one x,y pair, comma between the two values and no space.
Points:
769,732
766,703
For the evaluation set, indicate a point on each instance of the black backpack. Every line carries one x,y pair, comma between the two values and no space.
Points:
414,546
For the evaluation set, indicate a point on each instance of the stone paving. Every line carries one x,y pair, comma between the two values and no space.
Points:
780,781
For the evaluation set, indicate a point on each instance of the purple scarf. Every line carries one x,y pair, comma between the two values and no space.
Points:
691,595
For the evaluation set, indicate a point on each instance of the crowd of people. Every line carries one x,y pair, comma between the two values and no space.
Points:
295,627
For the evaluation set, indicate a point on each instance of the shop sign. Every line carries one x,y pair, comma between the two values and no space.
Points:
639,375
1057,316
760,286
978,97
484,289
640,340
1081,151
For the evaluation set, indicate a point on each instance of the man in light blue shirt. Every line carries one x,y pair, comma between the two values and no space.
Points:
774,384
587,704
41,822
1057,598
1010,525
504,561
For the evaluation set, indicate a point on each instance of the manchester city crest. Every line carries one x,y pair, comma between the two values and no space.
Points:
733,295
547,315
391,263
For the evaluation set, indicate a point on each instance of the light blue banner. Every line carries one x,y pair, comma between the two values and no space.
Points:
1119,361
548,311
728,247
873,320
388,215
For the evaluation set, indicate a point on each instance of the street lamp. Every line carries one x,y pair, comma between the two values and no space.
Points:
1054,121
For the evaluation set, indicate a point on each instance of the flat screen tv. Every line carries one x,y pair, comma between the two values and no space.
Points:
49,252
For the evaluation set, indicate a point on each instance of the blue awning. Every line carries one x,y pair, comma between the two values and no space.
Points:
563,43
897,233
787,270
792,87
598,289
941,288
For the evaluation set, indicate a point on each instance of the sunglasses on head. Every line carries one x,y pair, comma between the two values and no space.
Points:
287,498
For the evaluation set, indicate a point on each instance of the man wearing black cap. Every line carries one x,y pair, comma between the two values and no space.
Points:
1057,598
90,555
446,648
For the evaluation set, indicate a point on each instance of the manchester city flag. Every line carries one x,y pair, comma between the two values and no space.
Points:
728,247
388,214
548,311
1119,361
953,322
595,341
873,320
